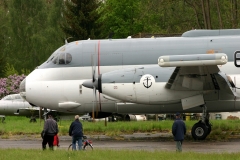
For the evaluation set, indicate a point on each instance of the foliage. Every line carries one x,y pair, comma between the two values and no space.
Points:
10,85
120,18
31,30
28,32
2,66
3,35
10,70
172,16
81,19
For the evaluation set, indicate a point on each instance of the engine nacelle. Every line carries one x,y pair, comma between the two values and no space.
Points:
133,85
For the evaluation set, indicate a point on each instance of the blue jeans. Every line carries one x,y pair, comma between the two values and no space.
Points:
79,141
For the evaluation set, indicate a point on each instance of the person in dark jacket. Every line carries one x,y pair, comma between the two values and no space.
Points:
76,131
178,131
49,131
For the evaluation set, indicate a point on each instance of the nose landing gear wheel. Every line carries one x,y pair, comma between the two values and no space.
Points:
199,131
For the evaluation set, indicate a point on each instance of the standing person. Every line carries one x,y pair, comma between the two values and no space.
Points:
49,131
178,131
76,131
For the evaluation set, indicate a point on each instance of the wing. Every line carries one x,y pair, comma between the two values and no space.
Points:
198,72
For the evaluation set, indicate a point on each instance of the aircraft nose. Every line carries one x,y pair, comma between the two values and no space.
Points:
22,88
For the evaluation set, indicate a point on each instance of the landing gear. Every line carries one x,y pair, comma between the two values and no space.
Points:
202,129
3,118
33,119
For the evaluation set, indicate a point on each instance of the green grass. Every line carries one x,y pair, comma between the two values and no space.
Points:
221,129
29,154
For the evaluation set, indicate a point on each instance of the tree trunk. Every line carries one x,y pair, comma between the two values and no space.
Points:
234,13
219,15
195,6
208,17
204,14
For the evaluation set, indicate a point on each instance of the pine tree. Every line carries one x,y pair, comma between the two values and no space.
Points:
81,19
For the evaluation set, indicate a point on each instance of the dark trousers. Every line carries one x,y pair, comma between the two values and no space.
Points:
47,139
179,146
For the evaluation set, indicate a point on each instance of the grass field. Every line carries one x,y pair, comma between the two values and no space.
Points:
13,154
221,129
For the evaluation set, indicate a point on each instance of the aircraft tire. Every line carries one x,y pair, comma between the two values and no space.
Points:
199,131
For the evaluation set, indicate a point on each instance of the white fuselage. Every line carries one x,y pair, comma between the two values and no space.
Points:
51,85
11,106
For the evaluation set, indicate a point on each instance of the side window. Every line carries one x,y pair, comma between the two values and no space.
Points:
55,60
62,58
17,96
9,97
68,58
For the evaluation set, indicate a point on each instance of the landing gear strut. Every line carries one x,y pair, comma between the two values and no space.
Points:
202,129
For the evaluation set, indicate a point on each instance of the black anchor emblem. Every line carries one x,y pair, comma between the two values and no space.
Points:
147,79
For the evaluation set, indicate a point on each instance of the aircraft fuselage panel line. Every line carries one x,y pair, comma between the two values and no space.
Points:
216,86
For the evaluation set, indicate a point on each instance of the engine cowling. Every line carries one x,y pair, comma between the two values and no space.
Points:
135,86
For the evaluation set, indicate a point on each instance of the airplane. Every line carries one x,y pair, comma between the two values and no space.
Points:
194,73
15,105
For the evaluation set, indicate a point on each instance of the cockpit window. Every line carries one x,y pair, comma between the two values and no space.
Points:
9,97
17,96
68,58
55,60
55,54
63,58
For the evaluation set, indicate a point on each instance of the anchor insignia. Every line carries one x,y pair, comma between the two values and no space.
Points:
146,82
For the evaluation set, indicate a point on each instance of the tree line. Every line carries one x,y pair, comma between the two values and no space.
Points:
31,30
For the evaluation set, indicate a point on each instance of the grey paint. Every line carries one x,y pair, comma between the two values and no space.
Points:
144,50
131,75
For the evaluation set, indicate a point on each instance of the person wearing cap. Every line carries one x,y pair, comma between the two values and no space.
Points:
49,131
178,131
76,131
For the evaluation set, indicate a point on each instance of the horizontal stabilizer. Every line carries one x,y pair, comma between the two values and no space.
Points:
193,60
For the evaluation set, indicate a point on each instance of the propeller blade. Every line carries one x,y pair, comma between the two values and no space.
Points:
94,85
93,112
93,69
96,100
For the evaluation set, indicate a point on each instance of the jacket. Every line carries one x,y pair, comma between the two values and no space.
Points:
50,127
178,130
76,129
